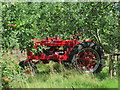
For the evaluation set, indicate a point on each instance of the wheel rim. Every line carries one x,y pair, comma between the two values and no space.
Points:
28,67
88,60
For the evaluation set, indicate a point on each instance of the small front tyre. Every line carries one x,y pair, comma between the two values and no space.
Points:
28,67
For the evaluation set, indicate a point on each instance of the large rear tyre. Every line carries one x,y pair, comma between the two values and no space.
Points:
87,57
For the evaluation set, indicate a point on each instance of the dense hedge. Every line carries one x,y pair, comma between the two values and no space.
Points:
23,21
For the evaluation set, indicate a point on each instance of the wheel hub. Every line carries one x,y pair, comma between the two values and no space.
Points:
87,59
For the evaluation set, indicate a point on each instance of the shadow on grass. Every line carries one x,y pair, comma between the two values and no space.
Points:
67,71
102,75
43,72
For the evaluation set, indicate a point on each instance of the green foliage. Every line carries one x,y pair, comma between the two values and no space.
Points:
53,75
28,20
23,21
9,68
64,78
39,49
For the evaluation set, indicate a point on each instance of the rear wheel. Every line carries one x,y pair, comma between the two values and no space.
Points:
86,57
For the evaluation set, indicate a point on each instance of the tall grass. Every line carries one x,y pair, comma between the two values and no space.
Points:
55,75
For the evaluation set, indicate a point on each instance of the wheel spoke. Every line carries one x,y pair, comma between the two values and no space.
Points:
87,59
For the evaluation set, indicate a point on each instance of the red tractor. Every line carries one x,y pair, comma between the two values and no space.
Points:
86,56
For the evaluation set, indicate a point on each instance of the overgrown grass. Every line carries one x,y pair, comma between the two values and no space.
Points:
55,75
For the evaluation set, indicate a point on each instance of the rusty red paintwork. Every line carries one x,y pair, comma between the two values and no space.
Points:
53,42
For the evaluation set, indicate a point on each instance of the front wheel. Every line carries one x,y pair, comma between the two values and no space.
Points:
28,67
86,57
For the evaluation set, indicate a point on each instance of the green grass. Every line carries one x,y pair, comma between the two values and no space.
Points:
56,76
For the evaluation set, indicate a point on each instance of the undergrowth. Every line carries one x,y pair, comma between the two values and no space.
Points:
55,75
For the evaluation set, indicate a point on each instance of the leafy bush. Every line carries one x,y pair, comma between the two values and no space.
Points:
28,20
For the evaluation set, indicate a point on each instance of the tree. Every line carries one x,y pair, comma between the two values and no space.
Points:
94,20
